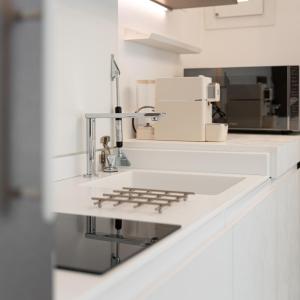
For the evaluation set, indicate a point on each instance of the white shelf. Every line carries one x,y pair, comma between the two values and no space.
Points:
159,41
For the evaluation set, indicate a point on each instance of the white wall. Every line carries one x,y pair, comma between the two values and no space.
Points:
270,45
81,35
142,62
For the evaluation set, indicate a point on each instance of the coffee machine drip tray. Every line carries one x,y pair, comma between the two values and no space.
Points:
96,245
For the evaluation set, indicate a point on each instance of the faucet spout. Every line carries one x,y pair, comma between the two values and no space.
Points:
123,115
91,135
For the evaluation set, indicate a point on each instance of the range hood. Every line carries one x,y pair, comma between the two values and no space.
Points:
180,4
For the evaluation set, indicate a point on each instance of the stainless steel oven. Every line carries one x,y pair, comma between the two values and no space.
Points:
256,98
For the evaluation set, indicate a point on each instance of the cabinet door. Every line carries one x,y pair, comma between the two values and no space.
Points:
207,275
288,238
293,223
283,241
254,253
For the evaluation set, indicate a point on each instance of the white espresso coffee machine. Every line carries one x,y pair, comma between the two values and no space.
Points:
187,102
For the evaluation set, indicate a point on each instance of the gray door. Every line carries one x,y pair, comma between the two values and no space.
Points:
25,237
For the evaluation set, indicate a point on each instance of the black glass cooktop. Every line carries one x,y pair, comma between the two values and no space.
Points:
96,245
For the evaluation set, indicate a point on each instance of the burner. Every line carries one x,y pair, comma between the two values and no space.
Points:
143,196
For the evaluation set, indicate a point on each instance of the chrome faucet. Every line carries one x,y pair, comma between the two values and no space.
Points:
91,133
111,161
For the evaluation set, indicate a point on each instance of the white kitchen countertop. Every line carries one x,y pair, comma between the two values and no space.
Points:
284,150
235,142
247,151
73,196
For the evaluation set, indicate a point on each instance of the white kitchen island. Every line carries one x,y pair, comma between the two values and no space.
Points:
242,243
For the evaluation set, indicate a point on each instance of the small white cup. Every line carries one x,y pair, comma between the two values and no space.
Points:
216,132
